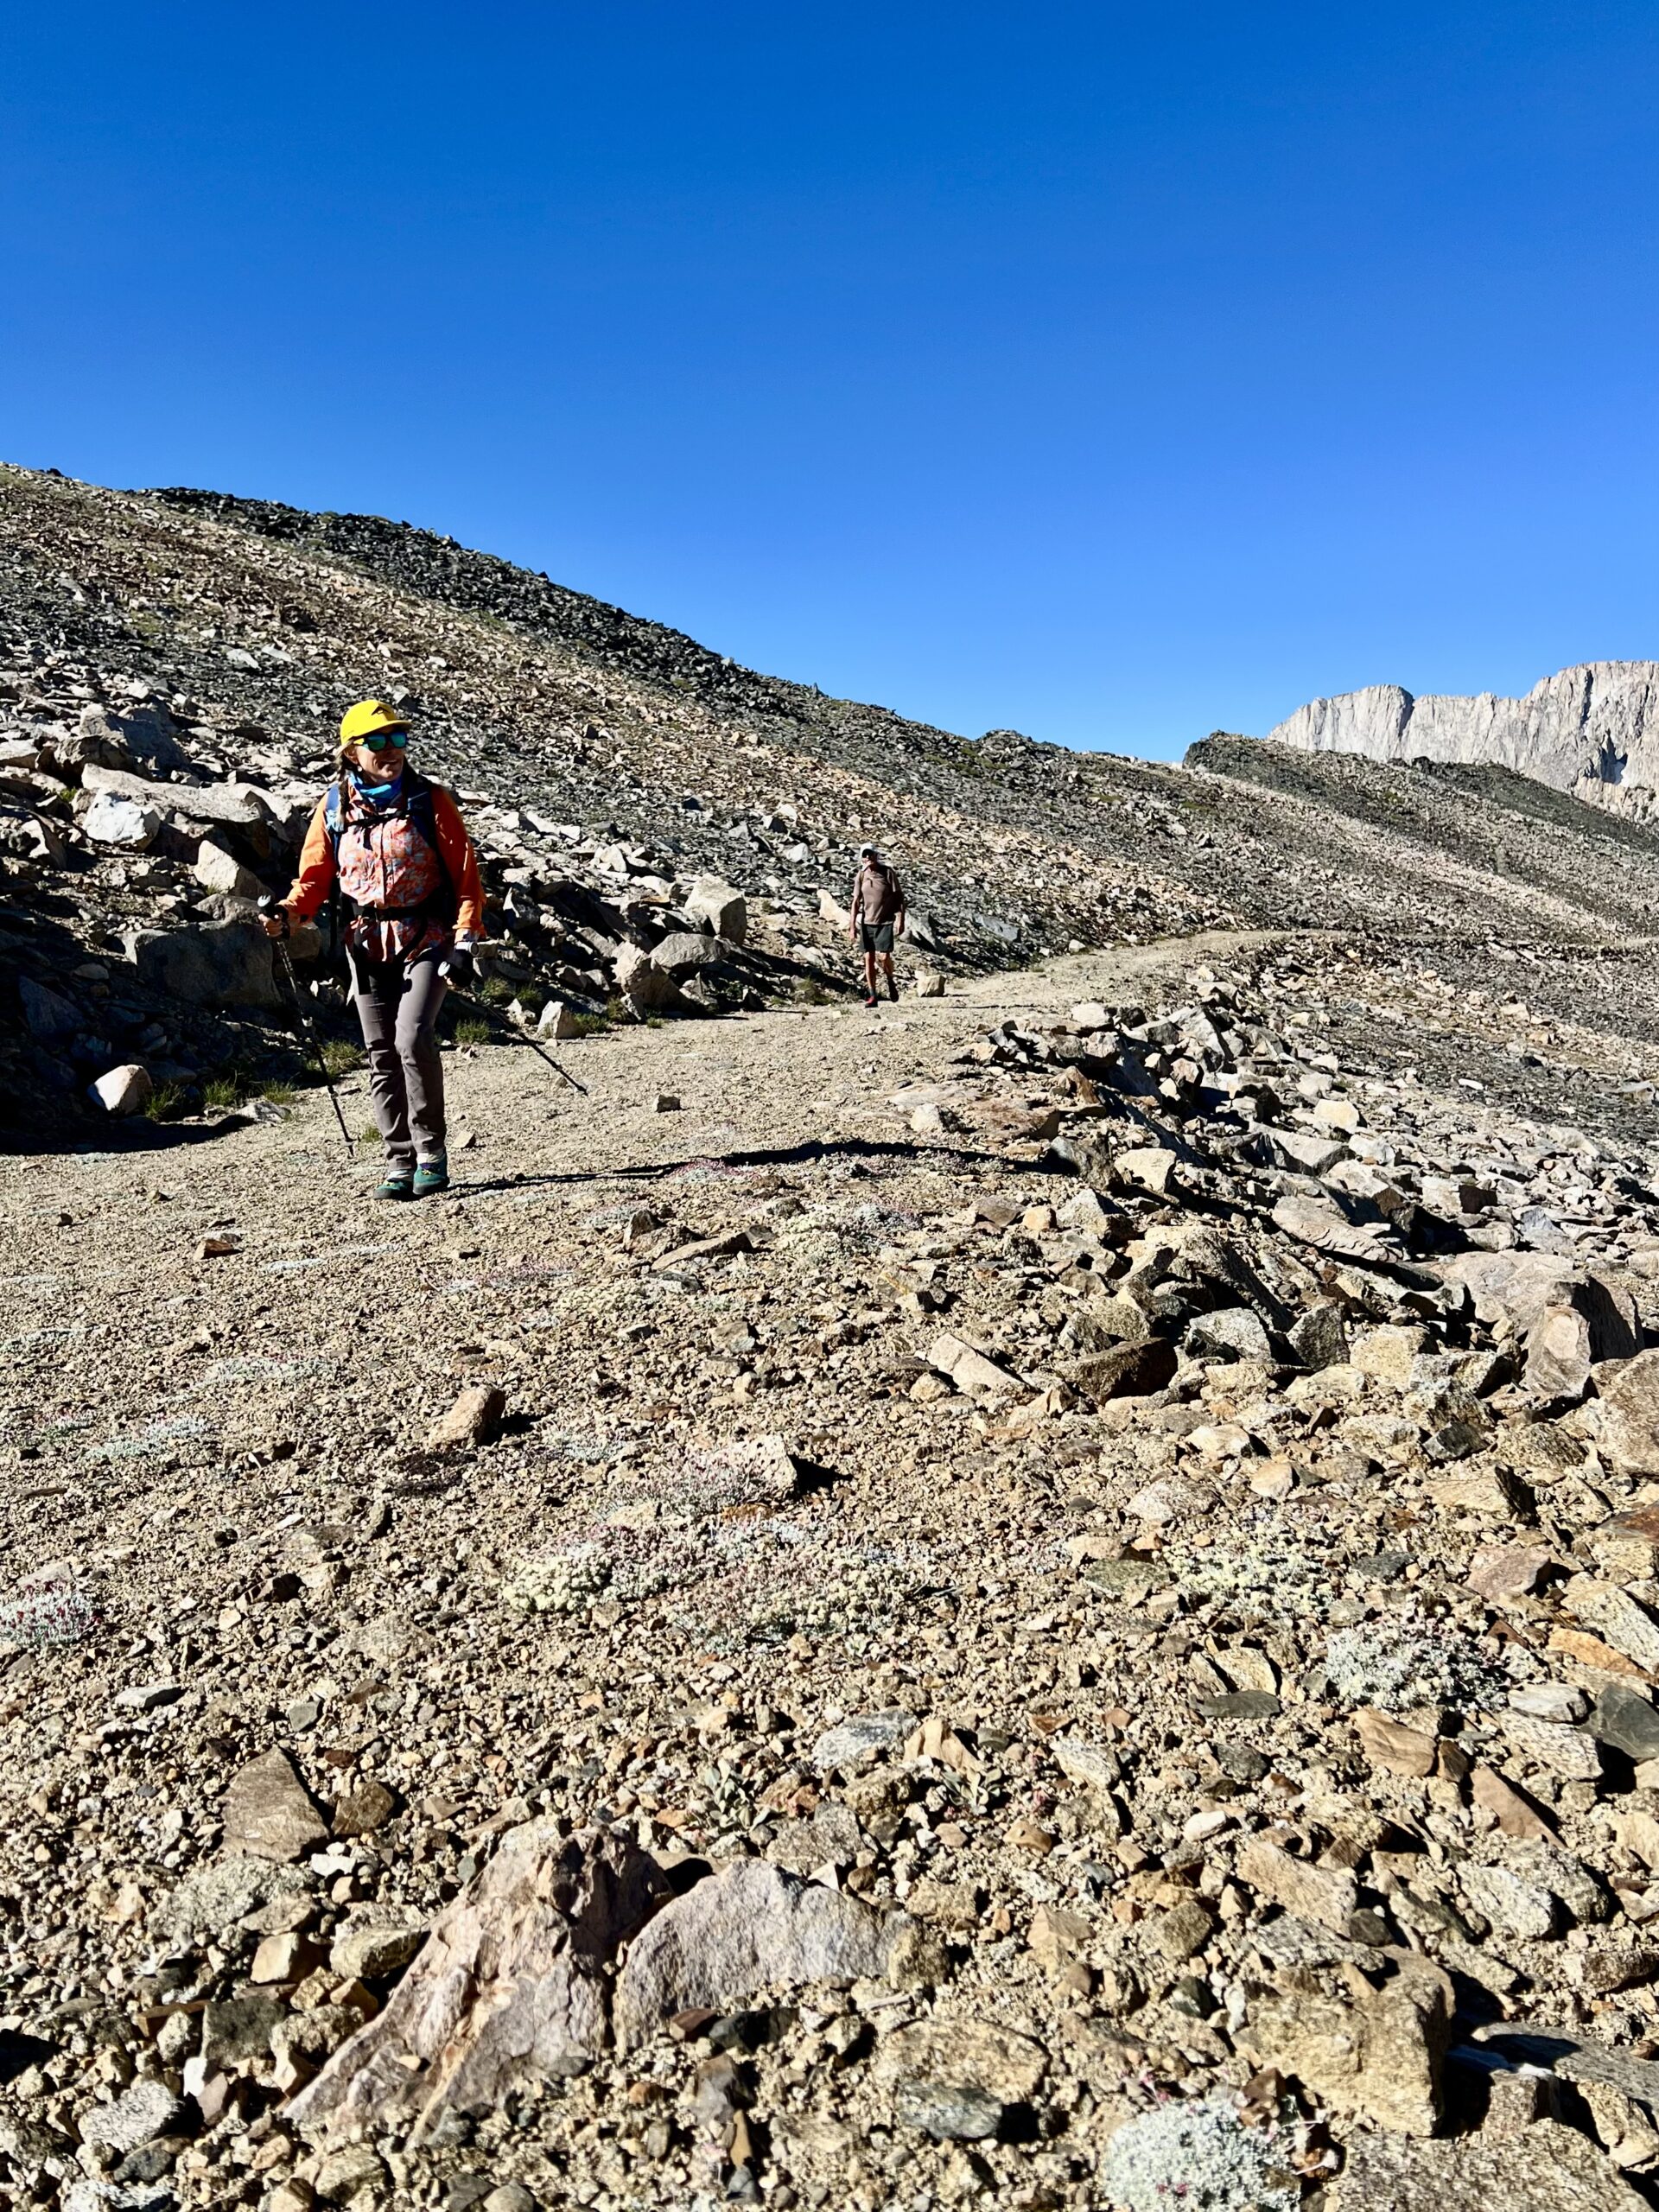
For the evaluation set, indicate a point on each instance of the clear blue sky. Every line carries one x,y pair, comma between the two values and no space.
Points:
1113,372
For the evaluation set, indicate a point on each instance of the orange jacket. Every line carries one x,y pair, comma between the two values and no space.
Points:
316,874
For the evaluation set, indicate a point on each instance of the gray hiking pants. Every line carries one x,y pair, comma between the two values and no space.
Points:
397,1004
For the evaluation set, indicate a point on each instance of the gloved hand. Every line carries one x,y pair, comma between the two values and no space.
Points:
273,917
458,961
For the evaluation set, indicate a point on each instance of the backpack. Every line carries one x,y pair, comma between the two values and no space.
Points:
419,808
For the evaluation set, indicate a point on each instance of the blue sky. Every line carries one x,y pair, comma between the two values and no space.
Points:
1114,373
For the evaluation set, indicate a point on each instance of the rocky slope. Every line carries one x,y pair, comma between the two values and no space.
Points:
1047,1596
1051,1597
1593,731
662,831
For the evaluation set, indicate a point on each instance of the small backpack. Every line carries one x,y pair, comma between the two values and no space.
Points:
419,807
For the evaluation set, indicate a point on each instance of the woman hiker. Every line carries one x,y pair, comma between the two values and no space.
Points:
395,846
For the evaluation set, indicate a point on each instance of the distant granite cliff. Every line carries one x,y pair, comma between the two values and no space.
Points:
1593,731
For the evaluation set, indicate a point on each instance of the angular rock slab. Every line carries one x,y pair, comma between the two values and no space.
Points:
749,1927
1379,2056
509,1988
269,1811
1546,2167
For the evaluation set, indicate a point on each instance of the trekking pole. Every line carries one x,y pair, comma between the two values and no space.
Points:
511,1029
267,904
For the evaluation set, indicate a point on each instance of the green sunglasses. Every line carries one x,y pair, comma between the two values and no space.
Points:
384,741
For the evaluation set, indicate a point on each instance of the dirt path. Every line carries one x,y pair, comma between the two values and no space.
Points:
749,1083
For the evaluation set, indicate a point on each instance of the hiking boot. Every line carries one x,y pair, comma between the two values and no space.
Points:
872,1000
431,1175
893,988
395,1185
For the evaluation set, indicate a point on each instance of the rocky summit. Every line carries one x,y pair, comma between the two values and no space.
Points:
1045,1596
1593,731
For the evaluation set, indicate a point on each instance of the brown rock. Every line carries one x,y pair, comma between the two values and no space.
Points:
1377,2052
1499,1572
510,1988
1326,1894
1545,2168
1514,1811
269,1811
473,1419
364,1810
1390,1743
1124,1371
1629,1416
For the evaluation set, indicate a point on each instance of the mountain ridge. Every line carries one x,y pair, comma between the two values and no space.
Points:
1592,729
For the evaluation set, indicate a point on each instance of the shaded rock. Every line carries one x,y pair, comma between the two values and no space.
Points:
47,1013
1125,1371
227,963
1625,1721
270,1812
510,1988
743,1929
1319,1339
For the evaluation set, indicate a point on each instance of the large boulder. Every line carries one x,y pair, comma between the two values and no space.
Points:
749,1927
47,1013
238,804
718,907
1542,2168
124,1090
121,822
686,952
510,1988
228,963
1378,2054
647,987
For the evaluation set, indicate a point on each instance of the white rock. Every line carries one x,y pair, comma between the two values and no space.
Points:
217,870
720,907
124,1090
121,821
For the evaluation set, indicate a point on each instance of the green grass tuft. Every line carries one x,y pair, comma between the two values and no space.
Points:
470,1031
169,1101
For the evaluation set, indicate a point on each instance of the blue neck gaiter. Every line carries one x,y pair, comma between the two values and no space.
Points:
376,794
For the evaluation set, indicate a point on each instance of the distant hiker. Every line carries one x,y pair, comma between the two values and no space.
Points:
394,846
878,916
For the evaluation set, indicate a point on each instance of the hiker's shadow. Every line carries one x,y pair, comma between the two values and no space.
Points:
871,1153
